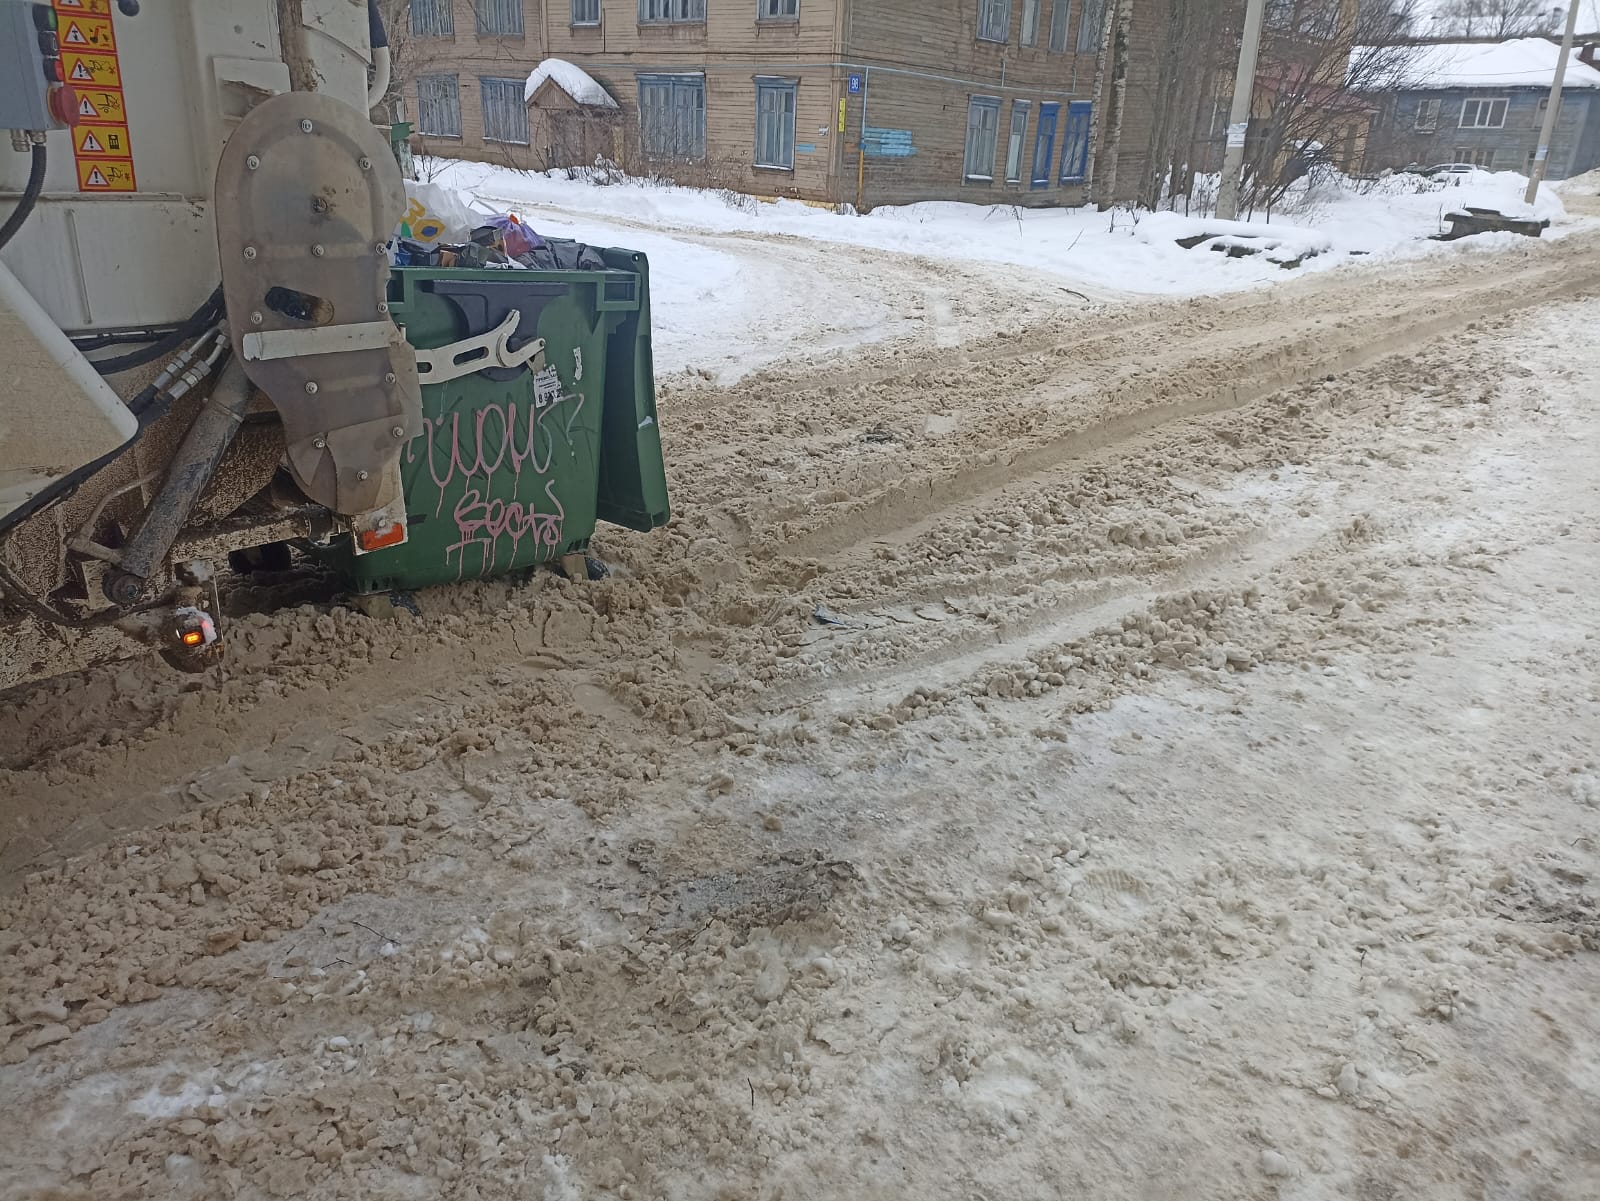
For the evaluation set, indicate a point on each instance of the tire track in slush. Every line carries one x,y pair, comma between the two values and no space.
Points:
908,509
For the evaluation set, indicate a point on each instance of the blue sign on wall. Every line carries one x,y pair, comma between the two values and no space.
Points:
888,143
857,85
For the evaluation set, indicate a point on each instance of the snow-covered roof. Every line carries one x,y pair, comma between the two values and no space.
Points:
573,80
1517,63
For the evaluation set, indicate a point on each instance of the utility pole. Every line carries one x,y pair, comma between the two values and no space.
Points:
1542,153
1239,116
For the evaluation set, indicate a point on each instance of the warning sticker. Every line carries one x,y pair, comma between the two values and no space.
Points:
105,175
87,33
82,68
101,141
101,106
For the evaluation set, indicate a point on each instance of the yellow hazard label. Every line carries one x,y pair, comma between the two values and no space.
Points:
87,33
844,108
101,141
105,175
101,106
88,69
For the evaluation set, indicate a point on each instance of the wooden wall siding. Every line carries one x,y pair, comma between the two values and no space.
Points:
731,31
466,41
941,36
470,57
934,113
926,63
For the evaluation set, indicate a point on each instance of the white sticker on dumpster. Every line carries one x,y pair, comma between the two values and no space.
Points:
546,388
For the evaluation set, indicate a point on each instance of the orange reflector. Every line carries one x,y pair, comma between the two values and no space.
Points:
193,638
378,539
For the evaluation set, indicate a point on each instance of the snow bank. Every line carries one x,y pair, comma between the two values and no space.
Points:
571,79
730,285
1503,191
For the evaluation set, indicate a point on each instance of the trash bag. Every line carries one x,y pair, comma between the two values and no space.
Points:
562,254
434,215
506,233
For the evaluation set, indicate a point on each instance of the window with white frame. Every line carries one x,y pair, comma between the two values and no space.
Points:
1091,22
501,18
1029,34
1060,16
777,10
1483,114
1428,115
672,115
994,20
983,127
505,112
433,19
438,106
672,12
1019,135
585,12
775,101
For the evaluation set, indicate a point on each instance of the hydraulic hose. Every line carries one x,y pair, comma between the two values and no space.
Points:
207,315
150,405
30,196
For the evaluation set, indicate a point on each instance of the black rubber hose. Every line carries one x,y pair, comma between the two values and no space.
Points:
88,343
202,319
30,196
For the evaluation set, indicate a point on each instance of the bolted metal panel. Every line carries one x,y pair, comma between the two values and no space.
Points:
300,238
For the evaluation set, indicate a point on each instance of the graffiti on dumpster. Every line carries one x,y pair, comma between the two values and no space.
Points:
470,450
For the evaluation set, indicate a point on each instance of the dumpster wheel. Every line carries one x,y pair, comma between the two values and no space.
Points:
582,566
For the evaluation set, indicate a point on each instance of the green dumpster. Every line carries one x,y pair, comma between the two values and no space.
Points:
513,467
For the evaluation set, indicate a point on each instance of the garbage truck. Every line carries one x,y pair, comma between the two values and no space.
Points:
217,343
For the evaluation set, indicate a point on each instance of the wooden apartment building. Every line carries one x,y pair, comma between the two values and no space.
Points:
881,101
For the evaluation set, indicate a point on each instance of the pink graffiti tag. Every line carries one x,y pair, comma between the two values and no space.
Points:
483,524
471,449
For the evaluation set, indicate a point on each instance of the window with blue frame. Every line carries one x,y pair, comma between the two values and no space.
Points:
1044,146
1075,142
